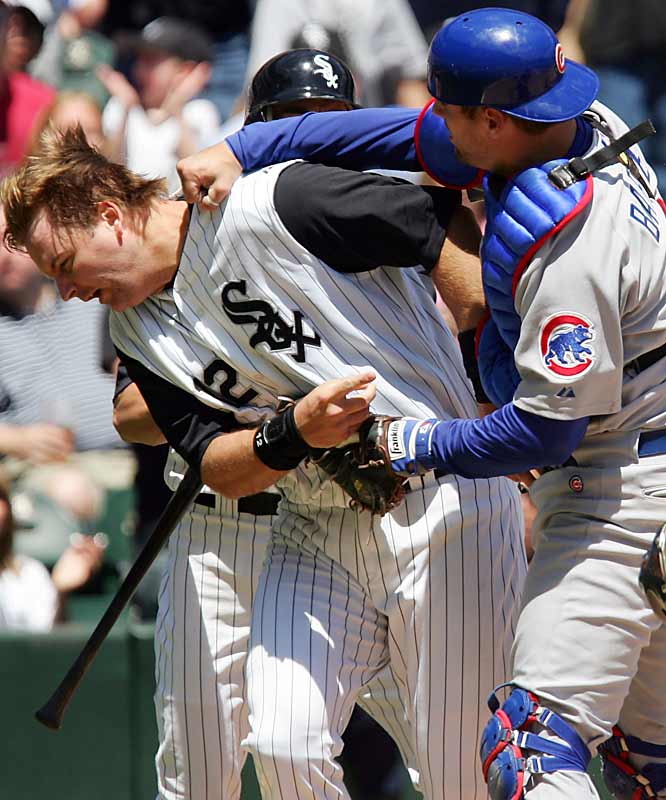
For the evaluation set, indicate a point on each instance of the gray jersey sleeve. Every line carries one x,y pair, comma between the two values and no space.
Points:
592,303
571,299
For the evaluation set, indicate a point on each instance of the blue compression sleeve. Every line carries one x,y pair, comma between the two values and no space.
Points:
507,441
368,138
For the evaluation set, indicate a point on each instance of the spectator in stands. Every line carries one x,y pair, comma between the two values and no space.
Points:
625,44
78,108
73,50
25,35
387,51
24,103
225,21
42,9
30,598
56,430
149,128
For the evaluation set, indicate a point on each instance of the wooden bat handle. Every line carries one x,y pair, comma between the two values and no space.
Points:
52,712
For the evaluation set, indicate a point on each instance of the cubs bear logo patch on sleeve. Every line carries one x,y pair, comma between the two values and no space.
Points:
565,341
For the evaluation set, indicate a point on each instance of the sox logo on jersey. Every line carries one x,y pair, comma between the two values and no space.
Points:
272,328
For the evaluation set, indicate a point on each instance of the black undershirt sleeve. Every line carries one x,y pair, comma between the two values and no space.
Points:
187,424
357,221
123,380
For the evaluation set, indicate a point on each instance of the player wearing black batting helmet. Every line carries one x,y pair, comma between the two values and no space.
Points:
294,79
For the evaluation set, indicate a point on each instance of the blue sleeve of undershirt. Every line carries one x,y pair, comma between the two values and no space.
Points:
505,442
368,138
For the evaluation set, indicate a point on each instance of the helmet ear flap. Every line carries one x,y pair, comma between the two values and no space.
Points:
253,116
259,114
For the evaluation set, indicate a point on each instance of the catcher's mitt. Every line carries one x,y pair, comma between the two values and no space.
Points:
363,468
653,573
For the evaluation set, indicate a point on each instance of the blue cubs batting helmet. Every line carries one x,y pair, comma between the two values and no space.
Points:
510,61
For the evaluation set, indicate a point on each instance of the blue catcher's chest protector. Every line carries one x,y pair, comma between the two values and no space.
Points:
527,211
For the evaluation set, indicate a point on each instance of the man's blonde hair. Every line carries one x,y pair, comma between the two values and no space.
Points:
67,177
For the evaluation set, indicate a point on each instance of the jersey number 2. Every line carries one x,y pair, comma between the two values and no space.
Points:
223,392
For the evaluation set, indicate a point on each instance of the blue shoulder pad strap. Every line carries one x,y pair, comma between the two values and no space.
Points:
527,212
437,155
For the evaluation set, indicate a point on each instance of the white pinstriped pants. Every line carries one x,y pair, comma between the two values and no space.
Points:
431,589
201,640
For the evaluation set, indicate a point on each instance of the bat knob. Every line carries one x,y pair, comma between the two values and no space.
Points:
47,718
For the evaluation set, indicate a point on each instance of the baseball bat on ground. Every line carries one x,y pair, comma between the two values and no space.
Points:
52,712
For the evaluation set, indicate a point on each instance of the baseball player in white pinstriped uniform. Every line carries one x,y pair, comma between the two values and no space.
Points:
217,551
202,632
264,298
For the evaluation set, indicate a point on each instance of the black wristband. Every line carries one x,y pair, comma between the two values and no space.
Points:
278,444
468,350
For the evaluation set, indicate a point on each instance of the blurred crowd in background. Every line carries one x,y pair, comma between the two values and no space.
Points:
150,82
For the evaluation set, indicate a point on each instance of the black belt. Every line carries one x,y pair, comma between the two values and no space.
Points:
436,473
263,504
648,359
652,443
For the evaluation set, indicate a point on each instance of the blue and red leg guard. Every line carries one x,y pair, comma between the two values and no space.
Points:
511,754
623,779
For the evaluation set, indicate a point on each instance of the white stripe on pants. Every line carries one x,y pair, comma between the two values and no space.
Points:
201,636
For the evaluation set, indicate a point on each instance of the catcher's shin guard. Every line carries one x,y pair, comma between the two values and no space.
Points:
511,754
623,779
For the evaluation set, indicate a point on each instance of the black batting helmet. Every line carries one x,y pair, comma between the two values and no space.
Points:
298,75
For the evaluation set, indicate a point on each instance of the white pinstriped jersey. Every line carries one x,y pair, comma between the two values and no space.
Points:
252,315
